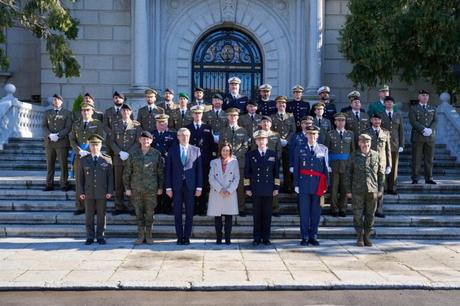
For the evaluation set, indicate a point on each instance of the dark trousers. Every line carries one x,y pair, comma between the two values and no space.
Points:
228,227
393,176
120,190
186,197
61,153
164,204
310,214
287,176
262,215
79,203
91,207
425,151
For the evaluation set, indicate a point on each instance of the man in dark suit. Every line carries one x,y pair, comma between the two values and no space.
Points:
261,182
234,98
201,137
184,182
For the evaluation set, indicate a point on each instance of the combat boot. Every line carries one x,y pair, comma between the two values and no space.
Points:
367,241
148,235
359,241
140,235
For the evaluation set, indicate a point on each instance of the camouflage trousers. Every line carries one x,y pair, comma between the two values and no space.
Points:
364,205
144,204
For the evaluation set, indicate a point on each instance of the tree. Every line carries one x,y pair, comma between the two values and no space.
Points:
412,39
49,20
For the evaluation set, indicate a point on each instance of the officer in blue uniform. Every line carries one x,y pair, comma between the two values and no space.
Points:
234,98
299,139
267,107
329,106
261,182
310,181
298,107
163,139
201,137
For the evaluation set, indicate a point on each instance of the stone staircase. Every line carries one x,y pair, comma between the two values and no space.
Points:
418,212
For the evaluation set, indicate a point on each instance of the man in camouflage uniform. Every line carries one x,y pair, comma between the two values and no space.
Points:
79,141
181,116
57,124
341,145
240,141
357,120
146,114
251,120
124,140
322,123
393,122
365,182
143,180
297,106
284,124
381,144
267,107
423,119
96,186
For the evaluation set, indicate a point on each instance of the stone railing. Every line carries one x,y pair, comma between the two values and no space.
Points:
19,119
448,126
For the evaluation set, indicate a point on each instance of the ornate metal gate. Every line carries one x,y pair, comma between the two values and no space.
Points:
225,53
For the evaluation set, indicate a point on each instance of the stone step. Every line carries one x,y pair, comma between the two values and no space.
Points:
238,232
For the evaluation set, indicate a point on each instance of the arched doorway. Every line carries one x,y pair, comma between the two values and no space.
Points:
222,54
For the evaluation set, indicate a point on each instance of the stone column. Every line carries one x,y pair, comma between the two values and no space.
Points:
315,45
140,46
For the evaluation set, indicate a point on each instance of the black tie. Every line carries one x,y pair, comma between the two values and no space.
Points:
150,110
56,110
377,133
389,116
85,125
252,117
262,154
125,124
281,117
341,135
217,114
118,111
357,116
233,129
319,122
183,114
424,107
95,160
311,150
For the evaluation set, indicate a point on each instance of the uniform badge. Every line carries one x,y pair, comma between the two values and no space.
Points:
272,158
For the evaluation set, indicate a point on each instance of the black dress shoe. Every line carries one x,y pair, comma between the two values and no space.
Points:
342,214
414,182
179,242
379,215
218,241
431,182
242,214
393,192
267,242
78,212
304,242
89,241
228,241
334,214
277,214
48,188
116,212
313,242
186,241
132,212
66,188
256,242
101,241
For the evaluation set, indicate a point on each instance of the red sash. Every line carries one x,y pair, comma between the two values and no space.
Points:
322,185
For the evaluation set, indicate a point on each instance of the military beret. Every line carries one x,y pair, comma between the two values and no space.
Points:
265,87
252,102
117,94
260,134
384,88
95,138
388,98
199,89
150,91
375,115
281,99
354,93
183,95
126,106
233,111
218,96
58,97
88,95
146,134
312,130
340,116
197,109
297,88
318,105
364,137
86,106
161,117
307,118
323,89
268,118
169,90
423,92
234,80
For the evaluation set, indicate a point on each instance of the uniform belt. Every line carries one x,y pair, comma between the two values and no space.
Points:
338,156
322,185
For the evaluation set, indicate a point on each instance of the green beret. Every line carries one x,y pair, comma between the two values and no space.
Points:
183,95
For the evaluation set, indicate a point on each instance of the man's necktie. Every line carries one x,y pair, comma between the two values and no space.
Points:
252,117
377,133
118,111
183,114
281,117
389,116
311,150
95,160
125,124
319,122
85,125
233,129
357,116
424,107
183,157
341,135
262,154
217,114
150,110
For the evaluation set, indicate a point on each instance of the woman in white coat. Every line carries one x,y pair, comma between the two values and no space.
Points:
224,177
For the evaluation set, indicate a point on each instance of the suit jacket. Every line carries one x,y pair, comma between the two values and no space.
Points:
176,173
261,174
357,127
203,139
147,119
240,102
164,141
396,128
60,122
420,119
304,160
96,180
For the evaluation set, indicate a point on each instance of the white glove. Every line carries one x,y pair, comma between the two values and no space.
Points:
430,131
387,170
329,169
284,142
427,132
53,137
83,153
401,149
296,189
216,138
123,155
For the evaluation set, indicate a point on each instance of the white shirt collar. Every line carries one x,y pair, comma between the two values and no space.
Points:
262,151
343,131
183,147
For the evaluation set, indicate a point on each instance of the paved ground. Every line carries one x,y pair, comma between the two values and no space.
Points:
336,264
266,298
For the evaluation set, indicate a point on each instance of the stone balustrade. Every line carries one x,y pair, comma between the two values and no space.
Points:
448,126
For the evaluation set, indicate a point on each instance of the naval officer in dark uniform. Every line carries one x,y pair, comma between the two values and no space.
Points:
233,98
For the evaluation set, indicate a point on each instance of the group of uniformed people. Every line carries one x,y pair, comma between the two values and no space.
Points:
352,153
